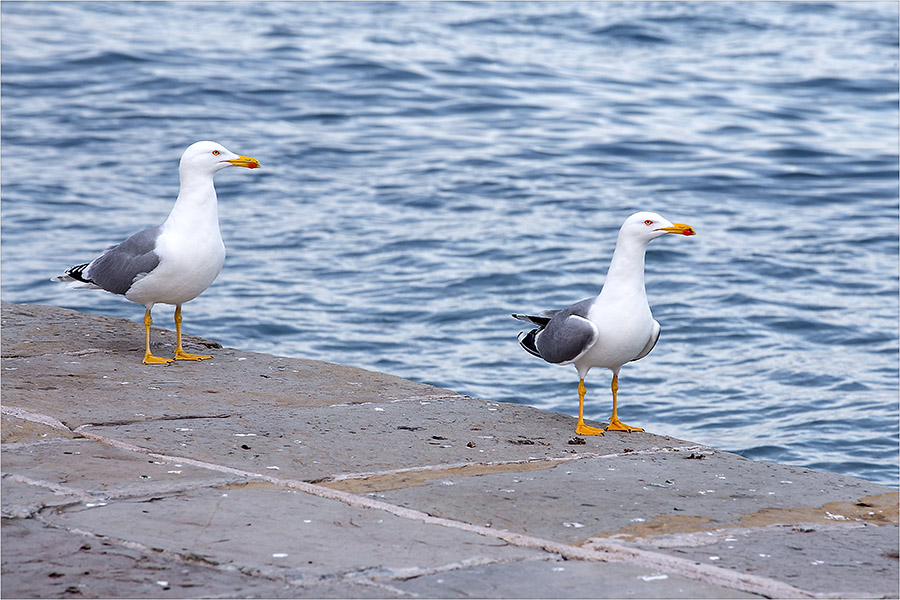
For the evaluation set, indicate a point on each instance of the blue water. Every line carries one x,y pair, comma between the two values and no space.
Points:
429,168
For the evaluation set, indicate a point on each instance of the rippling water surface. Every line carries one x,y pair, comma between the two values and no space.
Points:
429,168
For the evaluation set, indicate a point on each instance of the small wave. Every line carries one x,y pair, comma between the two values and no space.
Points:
108,58
840,84
370,69
629,32
798,152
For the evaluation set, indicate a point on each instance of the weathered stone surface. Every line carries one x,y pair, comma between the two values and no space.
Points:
639,494
825,557
562,579
61,564
260,476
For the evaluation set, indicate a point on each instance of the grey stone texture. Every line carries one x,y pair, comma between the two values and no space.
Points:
251,475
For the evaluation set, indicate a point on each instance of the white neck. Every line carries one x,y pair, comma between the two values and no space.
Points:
197,205
626,269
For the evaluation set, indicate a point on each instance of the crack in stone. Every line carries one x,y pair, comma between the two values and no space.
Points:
405,574
150,420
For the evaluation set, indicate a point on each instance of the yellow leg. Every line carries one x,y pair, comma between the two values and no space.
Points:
180,354
614,423
581,428
149,359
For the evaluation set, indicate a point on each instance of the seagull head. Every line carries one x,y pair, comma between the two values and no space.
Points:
210,157
647,226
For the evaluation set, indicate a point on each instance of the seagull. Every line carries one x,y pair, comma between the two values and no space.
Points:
611,329
174,262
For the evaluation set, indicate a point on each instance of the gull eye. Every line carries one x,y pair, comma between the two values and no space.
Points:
648,222
216,153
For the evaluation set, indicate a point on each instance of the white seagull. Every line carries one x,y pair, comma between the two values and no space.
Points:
174,262
611,329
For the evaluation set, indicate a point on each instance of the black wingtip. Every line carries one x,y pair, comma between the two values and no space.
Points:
77,272
538,320
527,341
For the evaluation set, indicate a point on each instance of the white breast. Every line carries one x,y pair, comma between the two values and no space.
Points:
188,264
624,331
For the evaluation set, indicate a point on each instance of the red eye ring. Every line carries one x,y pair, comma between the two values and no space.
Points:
216,153
648,222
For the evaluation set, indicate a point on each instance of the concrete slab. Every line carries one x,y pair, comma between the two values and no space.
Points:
822,557
54,563
633,494
562,579
283,533
315,444
87,468
199,475
73,364
628,496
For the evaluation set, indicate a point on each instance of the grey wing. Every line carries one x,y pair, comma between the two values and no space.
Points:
568,335
116,269
651,343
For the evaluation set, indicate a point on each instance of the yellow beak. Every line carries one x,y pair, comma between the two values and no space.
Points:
680,228
244,161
